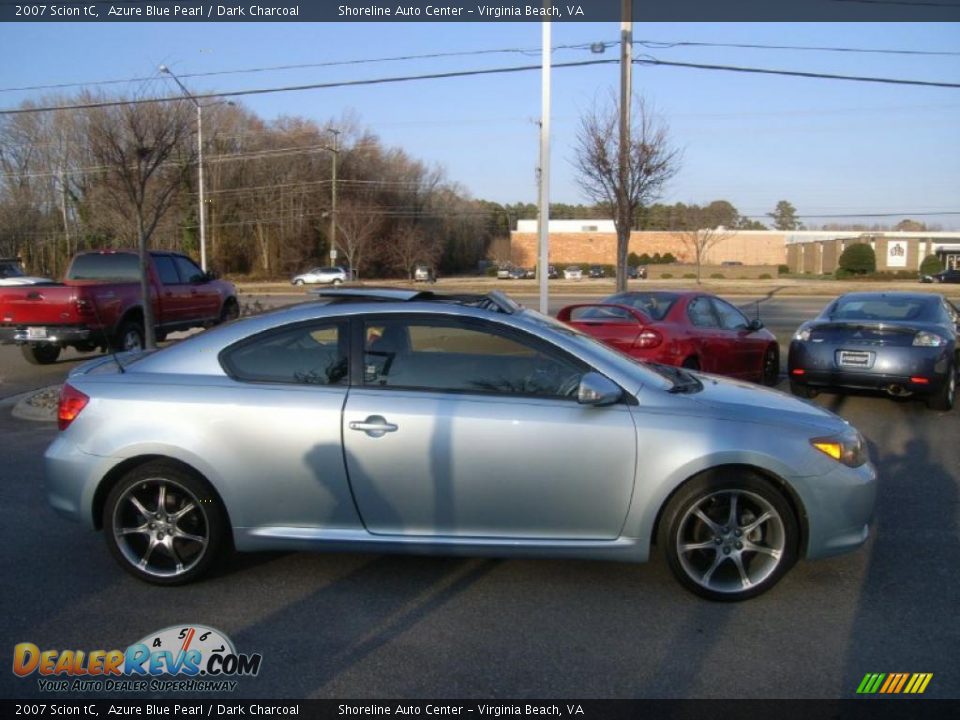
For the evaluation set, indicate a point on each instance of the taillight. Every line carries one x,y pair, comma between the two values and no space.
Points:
72,401
648,339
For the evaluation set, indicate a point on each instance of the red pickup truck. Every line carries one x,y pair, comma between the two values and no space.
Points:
99,304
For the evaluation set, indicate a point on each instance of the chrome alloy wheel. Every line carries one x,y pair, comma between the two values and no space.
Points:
730,541
160,527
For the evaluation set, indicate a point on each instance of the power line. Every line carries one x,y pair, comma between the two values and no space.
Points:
651,44
487,71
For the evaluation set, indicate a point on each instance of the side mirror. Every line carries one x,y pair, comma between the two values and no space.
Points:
210,275
595,389
755,325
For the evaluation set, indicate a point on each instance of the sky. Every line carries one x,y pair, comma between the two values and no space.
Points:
829,147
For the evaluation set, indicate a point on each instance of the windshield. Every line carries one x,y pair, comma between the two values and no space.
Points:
885,308
10,270
105,266
654,305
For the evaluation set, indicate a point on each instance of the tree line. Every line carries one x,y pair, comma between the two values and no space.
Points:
117,174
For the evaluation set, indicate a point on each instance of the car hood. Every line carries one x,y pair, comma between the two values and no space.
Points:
745,402
24,280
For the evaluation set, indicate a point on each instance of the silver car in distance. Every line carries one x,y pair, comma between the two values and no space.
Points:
413,422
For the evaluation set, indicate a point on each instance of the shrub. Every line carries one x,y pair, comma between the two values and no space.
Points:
765,276
689,276
931,265
492,271
841,274
668,258
783,269
717,276
858,259
667,276
633,259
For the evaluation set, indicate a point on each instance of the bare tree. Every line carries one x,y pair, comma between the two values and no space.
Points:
411,246
357,226
699,242
652,163
146,153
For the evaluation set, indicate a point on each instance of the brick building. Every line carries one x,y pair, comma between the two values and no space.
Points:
806,251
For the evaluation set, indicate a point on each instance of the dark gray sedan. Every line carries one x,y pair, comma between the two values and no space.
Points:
902,344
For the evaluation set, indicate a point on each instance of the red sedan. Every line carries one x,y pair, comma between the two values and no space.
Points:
688,329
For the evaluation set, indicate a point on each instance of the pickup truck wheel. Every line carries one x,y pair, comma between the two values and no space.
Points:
40,354
130,336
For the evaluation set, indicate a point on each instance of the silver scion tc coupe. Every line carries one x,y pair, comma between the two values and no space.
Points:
902,344
413,422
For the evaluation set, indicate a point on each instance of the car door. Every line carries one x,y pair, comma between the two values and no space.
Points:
468,429
708,337
744,349
204,299
174,296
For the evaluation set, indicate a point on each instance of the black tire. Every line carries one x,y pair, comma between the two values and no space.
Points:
187,534
691,363
739,554
770,372
298,282
943,400
41,353
230,311
129,336
338,281
801,390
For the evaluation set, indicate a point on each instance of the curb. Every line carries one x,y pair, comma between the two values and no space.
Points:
24,410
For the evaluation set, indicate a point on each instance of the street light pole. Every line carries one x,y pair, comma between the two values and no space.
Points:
203,207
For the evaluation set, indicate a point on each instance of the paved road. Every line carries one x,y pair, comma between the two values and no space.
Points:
382,626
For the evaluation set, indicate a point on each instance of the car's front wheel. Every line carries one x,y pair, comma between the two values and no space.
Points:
729,535
771,367
163,524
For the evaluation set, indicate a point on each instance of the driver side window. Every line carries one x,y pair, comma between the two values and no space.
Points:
441,356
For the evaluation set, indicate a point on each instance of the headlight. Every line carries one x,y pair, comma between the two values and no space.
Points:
928,339
803,334
847,447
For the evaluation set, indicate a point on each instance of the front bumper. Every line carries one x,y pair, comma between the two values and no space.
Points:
915,369
839,508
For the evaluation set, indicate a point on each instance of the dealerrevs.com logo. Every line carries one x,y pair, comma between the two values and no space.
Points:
199,657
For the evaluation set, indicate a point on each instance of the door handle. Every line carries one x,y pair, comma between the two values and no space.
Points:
374,426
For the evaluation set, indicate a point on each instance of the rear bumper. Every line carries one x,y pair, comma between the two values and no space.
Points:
56,334
914,369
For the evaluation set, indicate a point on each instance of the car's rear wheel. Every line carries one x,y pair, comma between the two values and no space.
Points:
729,535
691,363
802,390
771,366
298,281
40,353
945,397
163,524
338,281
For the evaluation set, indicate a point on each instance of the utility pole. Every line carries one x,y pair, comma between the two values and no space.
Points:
626,96
333,195
63,210
544,200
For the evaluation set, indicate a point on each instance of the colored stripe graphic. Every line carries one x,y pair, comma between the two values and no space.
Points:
894,683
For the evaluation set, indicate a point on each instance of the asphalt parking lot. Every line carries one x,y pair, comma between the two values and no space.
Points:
363,626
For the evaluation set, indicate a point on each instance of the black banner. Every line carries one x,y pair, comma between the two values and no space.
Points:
480,11
586,709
